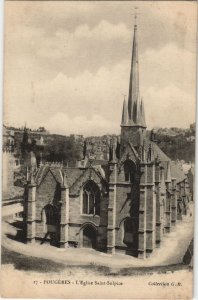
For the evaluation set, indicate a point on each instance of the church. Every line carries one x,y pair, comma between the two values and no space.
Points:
124,204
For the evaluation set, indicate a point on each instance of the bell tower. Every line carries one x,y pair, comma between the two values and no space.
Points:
133,125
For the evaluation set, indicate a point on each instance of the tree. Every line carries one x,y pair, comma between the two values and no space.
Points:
62,149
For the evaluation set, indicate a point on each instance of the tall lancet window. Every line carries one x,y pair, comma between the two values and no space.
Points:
91,199
129,170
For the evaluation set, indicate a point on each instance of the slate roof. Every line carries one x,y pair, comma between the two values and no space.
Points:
96,162
43,170
159,153
72,174
176,170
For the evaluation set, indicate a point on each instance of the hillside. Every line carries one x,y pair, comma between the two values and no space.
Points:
177,143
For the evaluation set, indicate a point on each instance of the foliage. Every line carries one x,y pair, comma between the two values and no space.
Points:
177,147
62,149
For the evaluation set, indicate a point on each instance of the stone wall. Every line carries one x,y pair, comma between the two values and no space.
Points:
49,192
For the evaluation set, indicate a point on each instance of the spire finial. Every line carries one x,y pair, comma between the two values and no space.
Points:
135,14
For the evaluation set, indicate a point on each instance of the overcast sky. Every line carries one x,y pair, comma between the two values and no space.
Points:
67,64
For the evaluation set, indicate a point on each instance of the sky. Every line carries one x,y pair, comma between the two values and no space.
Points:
67,63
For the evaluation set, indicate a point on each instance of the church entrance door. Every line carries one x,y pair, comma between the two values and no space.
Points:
89,237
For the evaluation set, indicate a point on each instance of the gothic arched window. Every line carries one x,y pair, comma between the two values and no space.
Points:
91,199
129,170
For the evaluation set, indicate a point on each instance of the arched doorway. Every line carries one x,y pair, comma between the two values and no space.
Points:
51,220
89,237
128,237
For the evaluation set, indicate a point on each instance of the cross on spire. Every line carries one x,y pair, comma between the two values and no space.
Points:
135,14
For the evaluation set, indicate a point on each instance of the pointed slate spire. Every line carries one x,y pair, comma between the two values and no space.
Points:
125,115
138,113
135,113
134,80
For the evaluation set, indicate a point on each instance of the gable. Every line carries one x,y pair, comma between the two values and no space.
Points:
48,191
88,174
48,180
72,174
44,171
129,154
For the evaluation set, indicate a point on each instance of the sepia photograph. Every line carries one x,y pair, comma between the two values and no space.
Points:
98,149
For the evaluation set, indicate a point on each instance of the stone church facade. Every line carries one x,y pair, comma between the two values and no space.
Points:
125,204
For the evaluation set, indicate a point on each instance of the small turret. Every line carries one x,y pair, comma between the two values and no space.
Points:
118,148
64,183
112,152
168,172
125,115
150,154
143,121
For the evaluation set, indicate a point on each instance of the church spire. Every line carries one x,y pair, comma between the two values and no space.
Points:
133,126
134,81
135,106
